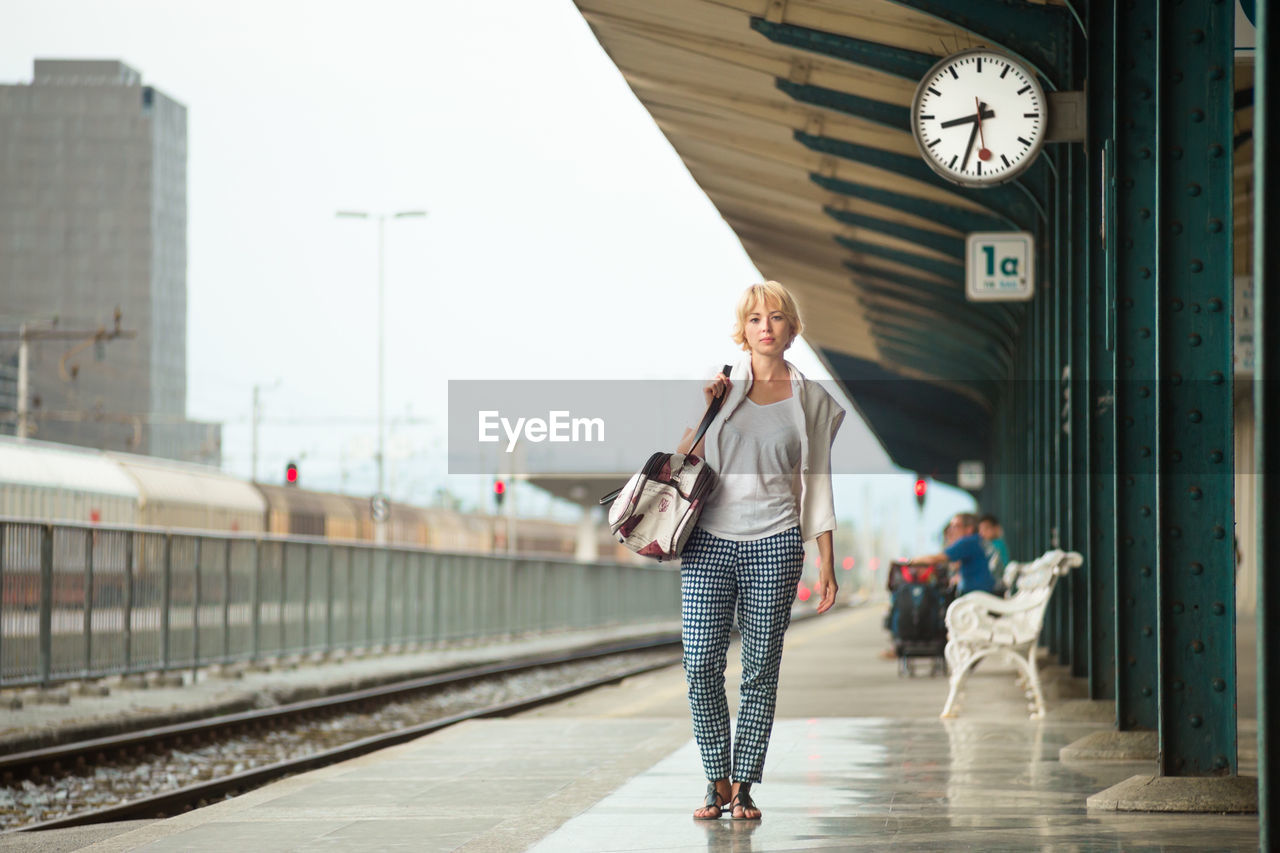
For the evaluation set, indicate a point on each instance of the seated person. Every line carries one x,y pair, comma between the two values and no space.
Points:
997,552
966,549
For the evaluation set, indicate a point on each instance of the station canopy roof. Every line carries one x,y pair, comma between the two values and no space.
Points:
793,116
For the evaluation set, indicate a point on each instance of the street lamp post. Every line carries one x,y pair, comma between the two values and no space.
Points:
381,218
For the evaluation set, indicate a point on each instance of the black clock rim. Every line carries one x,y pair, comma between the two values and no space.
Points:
1005,178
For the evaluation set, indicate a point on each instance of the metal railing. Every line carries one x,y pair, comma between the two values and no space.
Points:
83,601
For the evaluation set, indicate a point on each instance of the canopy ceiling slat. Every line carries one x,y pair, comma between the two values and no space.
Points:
731,172
776,119
874,20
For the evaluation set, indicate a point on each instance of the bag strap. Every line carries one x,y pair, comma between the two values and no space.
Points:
712,411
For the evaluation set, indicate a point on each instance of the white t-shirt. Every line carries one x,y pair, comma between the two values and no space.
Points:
759,455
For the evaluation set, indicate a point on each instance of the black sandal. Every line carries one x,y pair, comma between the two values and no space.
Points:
742,800
713,800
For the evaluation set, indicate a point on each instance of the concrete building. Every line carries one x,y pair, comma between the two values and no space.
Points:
93,218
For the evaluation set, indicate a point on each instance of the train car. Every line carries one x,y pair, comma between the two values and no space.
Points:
536,536
408,525
302,512
55,482
450,530
196,497
405,525
539,537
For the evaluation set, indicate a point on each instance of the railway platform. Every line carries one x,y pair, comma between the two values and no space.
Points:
859,760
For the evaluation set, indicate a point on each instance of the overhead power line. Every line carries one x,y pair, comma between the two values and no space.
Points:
85,337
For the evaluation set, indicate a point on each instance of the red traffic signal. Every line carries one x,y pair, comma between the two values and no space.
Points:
291,474
499,492
921,488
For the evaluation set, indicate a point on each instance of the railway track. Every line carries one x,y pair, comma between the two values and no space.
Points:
579,671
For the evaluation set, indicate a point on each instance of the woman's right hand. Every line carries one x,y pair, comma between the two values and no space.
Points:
715,388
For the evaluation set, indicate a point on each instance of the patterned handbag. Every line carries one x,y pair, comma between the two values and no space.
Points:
655,512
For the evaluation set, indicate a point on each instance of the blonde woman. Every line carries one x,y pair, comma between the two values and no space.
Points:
770,446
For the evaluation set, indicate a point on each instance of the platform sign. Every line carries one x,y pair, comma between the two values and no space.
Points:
999,266
971,475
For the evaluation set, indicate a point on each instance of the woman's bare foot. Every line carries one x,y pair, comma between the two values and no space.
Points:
718,793
742,807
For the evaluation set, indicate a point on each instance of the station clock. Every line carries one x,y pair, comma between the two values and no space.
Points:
979,117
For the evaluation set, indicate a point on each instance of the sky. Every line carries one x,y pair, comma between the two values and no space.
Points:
562,230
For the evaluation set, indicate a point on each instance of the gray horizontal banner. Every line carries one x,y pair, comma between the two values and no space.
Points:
568,426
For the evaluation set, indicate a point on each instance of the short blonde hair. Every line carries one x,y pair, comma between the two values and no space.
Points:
775,297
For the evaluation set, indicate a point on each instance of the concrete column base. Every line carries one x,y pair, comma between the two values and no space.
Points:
89,688
1084,711
165,679
1112,746
1209,794
228,671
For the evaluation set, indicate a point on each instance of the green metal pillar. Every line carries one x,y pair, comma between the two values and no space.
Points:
1013,515
1017,452
1059,338
1195,571
1035,437
1133,199
1052,277
1096,406
1065,246
1075,467
1046,423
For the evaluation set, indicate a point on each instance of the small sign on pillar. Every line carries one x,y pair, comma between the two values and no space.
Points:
999,266
971,475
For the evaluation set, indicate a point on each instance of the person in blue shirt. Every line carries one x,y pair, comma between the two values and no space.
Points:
967,549
997,552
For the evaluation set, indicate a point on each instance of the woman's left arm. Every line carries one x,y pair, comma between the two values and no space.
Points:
822,506
826,572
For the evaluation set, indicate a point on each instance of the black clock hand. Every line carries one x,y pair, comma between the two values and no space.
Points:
967,119
964,164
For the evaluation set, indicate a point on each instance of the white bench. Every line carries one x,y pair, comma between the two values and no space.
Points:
980,625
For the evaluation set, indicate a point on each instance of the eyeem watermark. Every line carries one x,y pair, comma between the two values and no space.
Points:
558,427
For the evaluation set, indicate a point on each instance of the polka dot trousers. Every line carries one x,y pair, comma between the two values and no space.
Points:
757,578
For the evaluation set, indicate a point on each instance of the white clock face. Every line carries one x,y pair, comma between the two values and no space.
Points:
979,117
